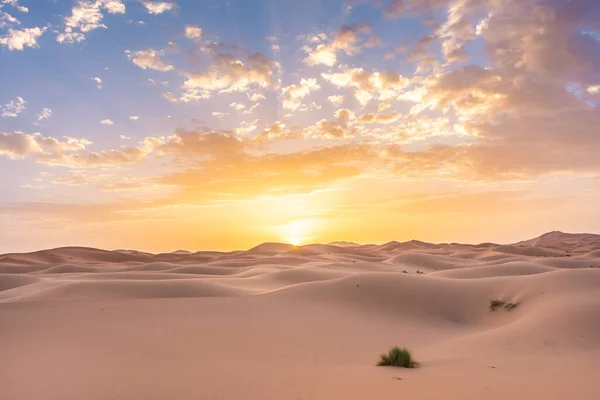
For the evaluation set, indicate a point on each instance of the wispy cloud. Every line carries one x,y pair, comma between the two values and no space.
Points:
98,81
46,113
13,108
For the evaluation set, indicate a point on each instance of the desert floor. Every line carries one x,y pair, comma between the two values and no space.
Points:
281,322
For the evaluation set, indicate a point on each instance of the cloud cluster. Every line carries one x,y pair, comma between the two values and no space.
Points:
228,73
345,40
20,145
86,16
293,95
7,20
18,39
15,4
13,108
149,59
366,86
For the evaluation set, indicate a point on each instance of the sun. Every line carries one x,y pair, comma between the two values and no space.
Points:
297,232
296,241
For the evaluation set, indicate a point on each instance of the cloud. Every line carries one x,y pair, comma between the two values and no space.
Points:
7,20
256,96
374,41
593,89
336,100
193,32
549,38
15,4
19,145
227,74
171,97
476,92
107,122
129,155
242,108
104,181
546,38
277,130
98,81
86,16
519,130
346,40
330,129
237,106
293,94
149,59
158,7
46,113
419,50
299,172
246,127
134,117
18,39
366,86
370,118
13,108
70,37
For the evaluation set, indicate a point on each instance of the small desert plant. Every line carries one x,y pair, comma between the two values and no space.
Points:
495,303
397,357
511,306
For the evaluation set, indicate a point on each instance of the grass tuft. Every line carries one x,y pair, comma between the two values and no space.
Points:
397,357
511,306
495,303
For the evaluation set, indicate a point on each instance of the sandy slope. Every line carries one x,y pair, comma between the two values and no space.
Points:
278,322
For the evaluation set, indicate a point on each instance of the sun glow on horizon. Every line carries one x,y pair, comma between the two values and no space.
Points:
297,232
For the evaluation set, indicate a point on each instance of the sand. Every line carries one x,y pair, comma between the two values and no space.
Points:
282,322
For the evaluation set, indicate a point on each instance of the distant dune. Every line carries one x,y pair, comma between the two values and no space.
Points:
303,322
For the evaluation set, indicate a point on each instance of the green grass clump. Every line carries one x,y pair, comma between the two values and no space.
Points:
511,306
397,357
495,303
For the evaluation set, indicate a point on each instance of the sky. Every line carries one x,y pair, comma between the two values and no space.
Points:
205,124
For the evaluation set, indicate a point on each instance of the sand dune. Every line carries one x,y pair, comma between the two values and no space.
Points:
307,322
